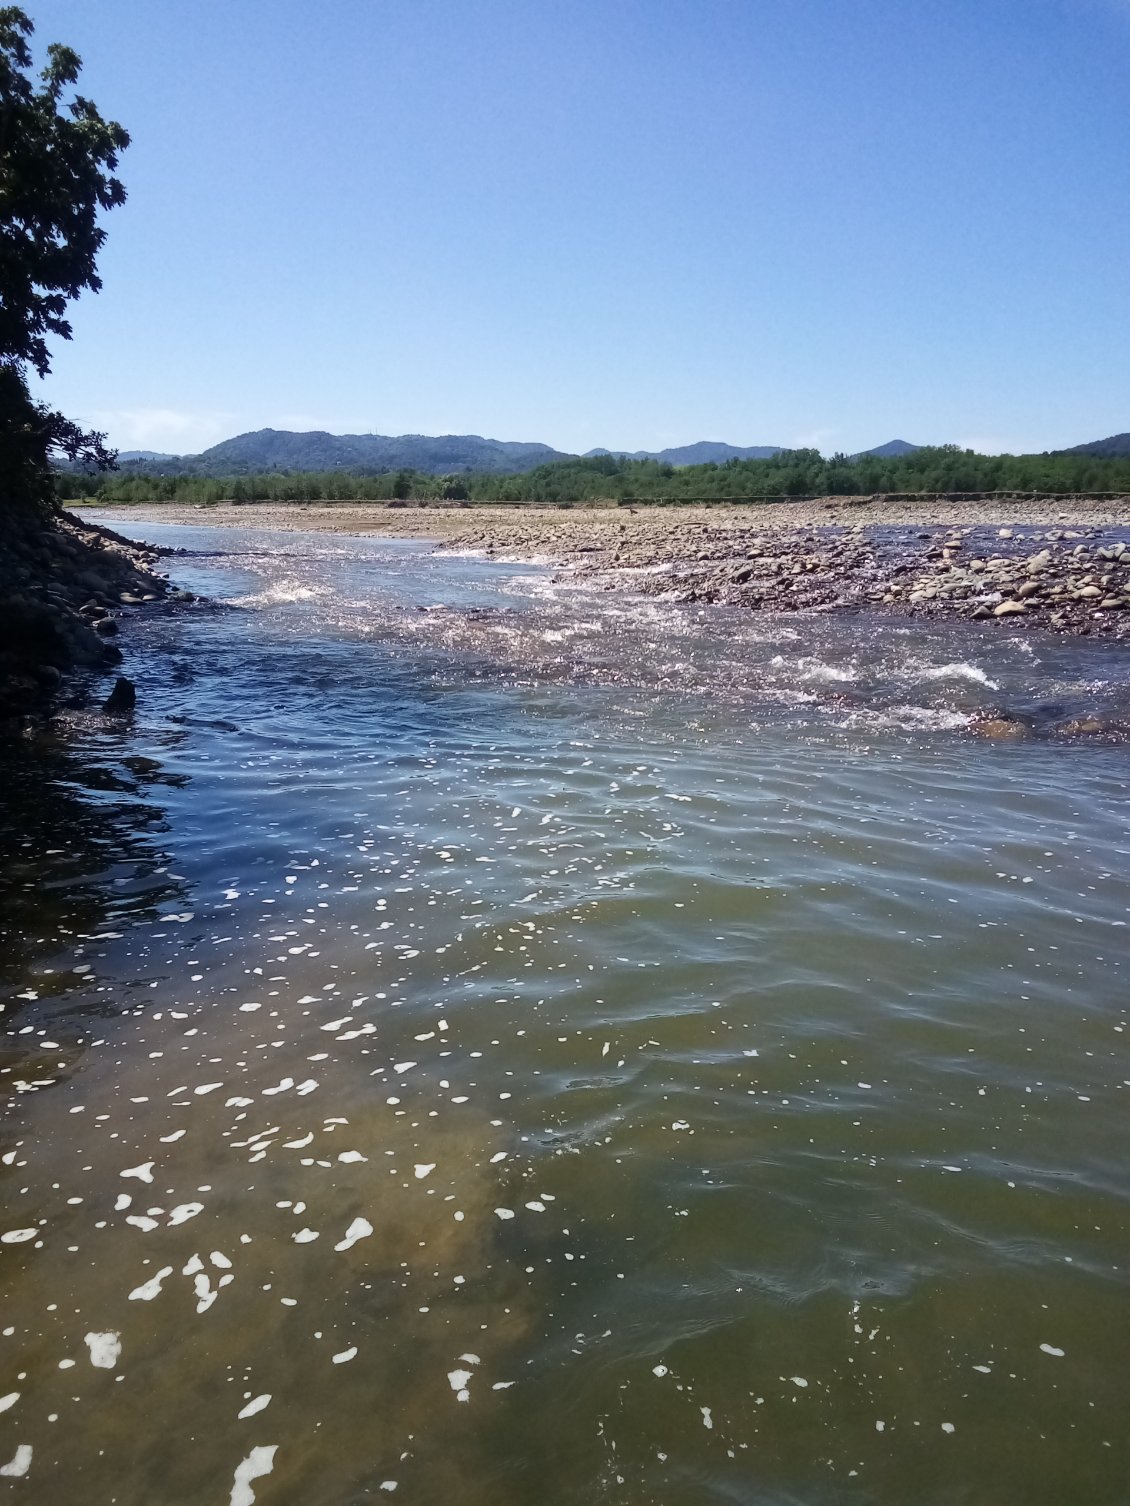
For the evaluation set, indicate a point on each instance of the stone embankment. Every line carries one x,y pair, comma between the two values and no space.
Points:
64,586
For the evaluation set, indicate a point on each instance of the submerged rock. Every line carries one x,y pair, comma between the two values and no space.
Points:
1092,726
1001,727
122,699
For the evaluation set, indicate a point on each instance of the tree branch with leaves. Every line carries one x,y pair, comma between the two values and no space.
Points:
58,160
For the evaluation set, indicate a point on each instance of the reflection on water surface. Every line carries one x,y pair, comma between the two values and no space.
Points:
550,1047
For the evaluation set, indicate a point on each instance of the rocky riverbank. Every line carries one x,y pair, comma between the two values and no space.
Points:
1060,564
65,585
1061,571
1067,579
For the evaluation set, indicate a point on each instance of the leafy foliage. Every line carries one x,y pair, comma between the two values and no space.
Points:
57,163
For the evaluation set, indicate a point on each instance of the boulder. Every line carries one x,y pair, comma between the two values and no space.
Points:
122,699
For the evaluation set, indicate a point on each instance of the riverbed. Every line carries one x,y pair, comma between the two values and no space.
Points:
477,1036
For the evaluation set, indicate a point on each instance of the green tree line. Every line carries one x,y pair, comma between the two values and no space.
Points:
792,473
275,486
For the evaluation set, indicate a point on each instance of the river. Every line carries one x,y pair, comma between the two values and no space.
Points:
473,1038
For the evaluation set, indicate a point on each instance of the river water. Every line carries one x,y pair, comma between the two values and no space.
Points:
471,1038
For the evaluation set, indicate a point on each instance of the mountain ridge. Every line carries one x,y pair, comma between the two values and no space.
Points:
892,450
318,450
1115,444
264,451
701,452
289,450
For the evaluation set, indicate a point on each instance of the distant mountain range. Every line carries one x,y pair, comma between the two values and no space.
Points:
1117,444
266,450
284,450
704,452
891,450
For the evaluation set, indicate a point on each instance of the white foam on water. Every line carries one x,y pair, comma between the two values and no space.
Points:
19,1464
960,669
828,673
360,1228
183,1212
281,593
151,1288
906,719
104,1349
253,1408
259,1462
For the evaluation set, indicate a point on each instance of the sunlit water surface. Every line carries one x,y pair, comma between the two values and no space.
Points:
558,1048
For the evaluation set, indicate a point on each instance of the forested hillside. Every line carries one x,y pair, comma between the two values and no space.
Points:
790,473
266,450
1116,444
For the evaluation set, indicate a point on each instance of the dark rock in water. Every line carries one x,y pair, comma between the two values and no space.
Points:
122,699
106,626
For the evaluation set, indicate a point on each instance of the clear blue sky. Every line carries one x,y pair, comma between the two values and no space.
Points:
630,223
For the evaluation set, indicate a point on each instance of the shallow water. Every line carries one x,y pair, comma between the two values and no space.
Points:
554,1047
